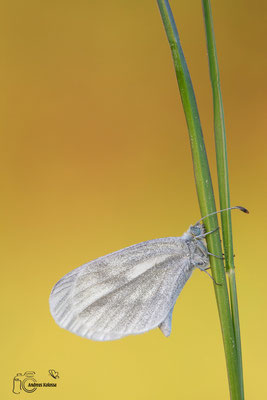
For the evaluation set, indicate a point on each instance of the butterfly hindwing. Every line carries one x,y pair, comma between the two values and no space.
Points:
127,292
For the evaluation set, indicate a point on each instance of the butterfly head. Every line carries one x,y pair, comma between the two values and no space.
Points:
197,230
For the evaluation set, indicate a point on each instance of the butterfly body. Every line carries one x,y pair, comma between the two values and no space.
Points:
130,291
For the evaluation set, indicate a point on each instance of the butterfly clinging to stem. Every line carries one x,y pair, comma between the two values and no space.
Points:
132,290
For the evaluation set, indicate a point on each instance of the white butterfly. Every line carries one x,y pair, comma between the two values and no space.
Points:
130,291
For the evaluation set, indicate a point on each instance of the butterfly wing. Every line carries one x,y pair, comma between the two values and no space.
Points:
166,325
127,292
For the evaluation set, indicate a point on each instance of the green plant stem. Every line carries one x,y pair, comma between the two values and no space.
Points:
205,195
223,177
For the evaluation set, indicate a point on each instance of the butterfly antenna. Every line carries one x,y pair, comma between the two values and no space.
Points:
225,209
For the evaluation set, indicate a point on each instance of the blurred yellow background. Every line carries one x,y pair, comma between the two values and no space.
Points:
95,157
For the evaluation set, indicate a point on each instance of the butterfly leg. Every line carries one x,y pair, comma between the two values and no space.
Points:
209,267
214,255
205,252
204,270
208,233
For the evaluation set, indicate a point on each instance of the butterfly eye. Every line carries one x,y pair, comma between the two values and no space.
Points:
195,230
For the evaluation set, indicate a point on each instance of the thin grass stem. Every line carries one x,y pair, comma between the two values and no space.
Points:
205,195
223,176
